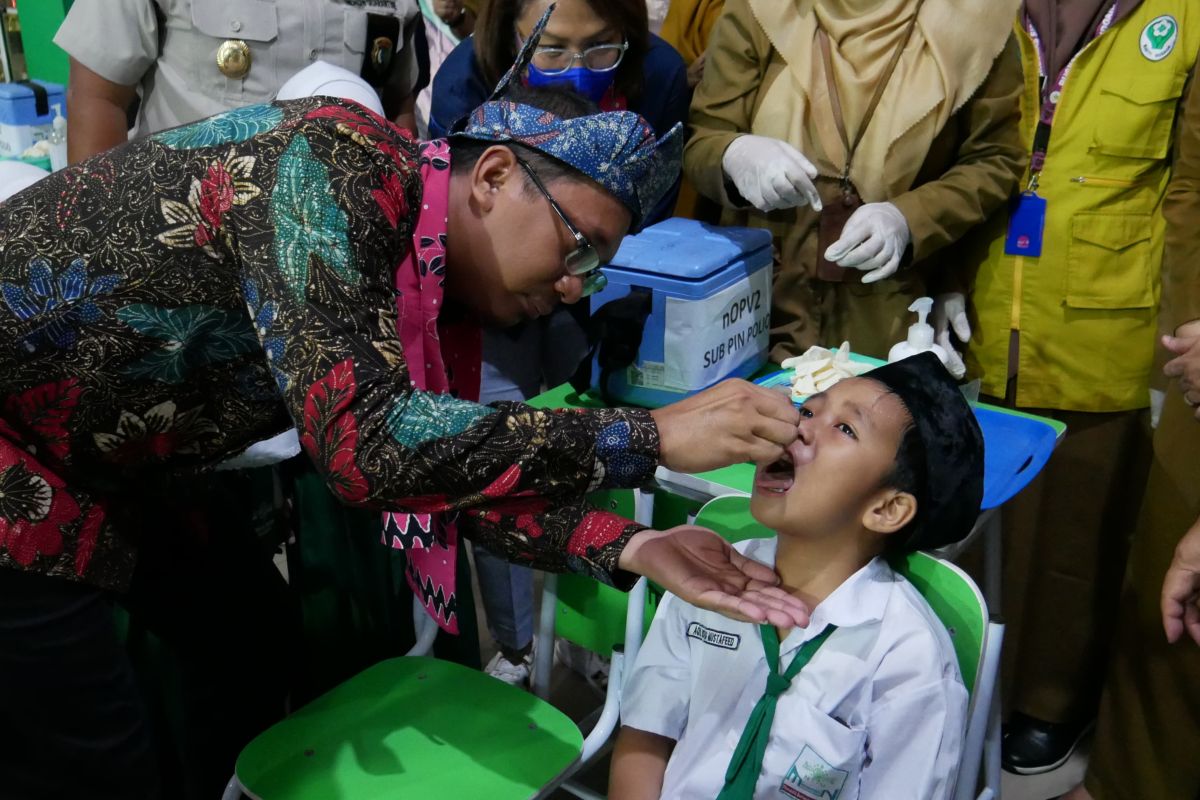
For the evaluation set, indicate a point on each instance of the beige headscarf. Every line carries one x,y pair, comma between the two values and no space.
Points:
947,59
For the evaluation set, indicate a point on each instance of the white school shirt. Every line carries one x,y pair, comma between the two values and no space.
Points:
879,713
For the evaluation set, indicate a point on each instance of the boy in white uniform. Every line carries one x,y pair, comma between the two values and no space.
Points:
867,701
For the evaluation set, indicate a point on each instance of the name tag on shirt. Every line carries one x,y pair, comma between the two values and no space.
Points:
1025,226
727,641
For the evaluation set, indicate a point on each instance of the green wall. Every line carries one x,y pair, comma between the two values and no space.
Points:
39,22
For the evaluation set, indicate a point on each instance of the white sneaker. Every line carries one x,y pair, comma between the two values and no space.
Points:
502,669
591,665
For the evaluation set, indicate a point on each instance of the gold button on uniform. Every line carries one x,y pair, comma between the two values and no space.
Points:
233,58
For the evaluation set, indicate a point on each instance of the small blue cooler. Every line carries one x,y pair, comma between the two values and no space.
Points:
27,116
709,290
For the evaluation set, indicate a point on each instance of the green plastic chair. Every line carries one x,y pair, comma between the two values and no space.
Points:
423,728
584,611
956,601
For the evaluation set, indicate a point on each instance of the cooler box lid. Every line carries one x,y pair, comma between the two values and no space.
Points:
18,107
687,250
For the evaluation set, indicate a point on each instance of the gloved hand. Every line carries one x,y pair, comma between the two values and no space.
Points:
873,240
950,311
770,174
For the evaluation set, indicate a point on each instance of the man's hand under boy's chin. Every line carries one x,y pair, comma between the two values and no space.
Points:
699,567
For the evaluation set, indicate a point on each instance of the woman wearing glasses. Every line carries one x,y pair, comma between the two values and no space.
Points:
603,50
167,303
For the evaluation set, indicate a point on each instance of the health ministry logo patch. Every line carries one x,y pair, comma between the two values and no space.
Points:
813,778
1159,37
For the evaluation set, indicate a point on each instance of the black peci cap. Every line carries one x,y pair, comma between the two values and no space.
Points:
952,444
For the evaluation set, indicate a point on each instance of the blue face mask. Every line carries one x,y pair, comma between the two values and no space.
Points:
589,83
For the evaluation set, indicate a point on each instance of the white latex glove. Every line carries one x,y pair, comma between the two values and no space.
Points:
270,451
770,174
873,241
950,311
1158,399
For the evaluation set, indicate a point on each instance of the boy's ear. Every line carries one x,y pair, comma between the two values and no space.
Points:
890,512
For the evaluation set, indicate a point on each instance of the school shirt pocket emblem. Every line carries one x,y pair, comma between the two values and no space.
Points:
1159,37
726,641
811,777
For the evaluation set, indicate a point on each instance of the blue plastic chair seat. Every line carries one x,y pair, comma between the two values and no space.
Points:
1015,448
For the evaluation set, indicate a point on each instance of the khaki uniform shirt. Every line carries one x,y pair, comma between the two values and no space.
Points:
971,169
169,48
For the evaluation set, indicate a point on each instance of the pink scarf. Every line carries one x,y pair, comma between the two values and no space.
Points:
441,358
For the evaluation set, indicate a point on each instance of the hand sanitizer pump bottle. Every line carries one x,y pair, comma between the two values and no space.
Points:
920,336
58,140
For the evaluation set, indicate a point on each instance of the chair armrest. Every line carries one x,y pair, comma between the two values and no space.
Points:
424,627
610,716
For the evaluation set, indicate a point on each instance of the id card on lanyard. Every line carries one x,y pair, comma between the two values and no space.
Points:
1027,219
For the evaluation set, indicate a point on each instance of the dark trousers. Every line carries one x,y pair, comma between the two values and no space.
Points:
163,707
1066,539
72,721
1148,734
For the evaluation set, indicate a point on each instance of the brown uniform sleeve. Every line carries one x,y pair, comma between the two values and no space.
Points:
738,54
991,160
1181,208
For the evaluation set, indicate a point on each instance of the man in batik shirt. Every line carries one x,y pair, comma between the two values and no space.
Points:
168,303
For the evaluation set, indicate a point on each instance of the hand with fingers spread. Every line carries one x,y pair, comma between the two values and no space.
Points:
950,312
699,567
731,423
1185,345
1181,589
770,174
874,241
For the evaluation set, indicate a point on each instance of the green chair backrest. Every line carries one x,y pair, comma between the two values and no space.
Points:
956,601
589,613
672,509
729,516
952,595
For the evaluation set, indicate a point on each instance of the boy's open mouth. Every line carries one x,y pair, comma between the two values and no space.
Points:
778,477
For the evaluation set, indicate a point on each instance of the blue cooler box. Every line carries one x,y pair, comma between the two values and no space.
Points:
20,123
710,315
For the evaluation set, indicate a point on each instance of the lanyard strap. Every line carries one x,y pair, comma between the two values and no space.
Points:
835,99
747,760
1052,90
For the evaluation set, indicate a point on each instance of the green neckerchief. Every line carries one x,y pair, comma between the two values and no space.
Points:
746,764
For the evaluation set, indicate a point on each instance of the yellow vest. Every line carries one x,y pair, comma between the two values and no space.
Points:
1086,308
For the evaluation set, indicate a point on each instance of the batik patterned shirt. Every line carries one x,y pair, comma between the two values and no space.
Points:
167,303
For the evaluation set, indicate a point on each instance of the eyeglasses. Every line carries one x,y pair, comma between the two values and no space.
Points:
582,262
601,58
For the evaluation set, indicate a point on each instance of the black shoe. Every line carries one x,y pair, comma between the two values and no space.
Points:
1031,746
